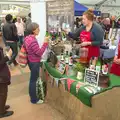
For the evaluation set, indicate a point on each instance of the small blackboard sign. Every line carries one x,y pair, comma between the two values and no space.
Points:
91,77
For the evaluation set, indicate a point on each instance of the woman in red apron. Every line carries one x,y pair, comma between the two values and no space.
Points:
115,69
86,39
86,47
91,37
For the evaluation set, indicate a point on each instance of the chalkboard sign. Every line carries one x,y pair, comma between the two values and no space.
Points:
91,77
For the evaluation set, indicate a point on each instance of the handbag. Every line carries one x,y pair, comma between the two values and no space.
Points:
22,57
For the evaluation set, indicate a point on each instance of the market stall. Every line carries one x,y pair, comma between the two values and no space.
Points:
66,95
79,87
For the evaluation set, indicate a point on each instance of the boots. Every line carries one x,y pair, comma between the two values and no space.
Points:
6,114
3,97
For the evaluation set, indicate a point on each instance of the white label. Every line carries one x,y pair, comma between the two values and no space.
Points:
98,68
79,75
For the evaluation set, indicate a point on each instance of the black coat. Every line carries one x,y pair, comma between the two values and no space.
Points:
4,70
10,32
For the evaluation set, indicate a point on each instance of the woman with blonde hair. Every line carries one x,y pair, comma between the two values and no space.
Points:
91,36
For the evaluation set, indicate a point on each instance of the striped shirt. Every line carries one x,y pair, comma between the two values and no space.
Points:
34,51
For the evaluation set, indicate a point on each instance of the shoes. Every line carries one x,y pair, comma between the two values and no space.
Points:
40,102
7,114
15,63
7,107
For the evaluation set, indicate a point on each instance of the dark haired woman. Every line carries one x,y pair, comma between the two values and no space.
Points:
34,56
118,23
91,36
4,82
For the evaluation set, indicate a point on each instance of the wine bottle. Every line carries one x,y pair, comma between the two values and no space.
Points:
98,66
91,63
66,58
62,55
70,59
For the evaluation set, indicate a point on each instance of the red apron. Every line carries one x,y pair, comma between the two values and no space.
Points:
90,51
115,69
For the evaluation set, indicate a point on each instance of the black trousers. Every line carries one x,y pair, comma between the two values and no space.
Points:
14,47
3,97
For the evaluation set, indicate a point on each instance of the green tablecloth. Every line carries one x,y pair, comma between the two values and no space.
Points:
84,96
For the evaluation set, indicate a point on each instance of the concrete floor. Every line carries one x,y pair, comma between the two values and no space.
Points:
18,99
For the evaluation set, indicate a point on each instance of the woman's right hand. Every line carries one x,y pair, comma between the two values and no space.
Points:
46,39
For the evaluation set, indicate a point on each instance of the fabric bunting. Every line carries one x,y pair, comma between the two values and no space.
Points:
75,86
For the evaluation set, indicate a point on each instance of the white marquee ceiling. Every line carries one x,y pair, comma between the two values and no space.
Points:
110,6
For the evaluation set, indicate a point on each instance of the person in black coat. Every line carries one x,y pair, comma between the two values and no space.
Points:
4,82
118,23
11,37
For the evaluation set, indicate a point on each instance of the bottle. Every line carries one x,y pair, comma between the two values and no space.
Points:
84,55
105,69
91,65
47,34
67,58
70,59
62,55
98,65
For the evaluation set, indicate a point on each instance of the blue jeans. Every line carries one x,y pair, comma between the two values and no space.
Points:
14,48
35,71
21,39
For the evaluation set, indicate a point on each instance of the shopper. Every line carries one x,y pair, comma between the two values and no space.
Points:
118,23
28,21
20,30
113,22
14,20
107,25
99,21
34,56
4,82
11,37
2,24
91,35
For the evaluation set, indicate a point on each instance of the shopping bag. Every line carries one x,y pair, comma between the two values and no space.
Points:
22,57
40,89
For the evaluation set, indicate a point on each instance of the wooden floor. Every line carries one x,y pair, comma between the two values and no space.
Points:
18,99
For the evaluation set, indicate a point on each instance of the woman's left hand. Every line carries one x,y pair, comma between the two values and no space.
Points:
85,44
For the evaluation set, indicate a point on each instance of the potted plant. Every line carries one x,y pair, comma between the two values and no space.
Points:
79,68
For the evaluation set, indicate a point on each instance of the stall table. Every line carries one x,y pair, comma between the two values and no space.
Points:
104,105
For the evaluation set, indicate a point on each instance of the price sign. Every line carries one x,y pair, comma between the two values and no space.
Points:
91,77
61,67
